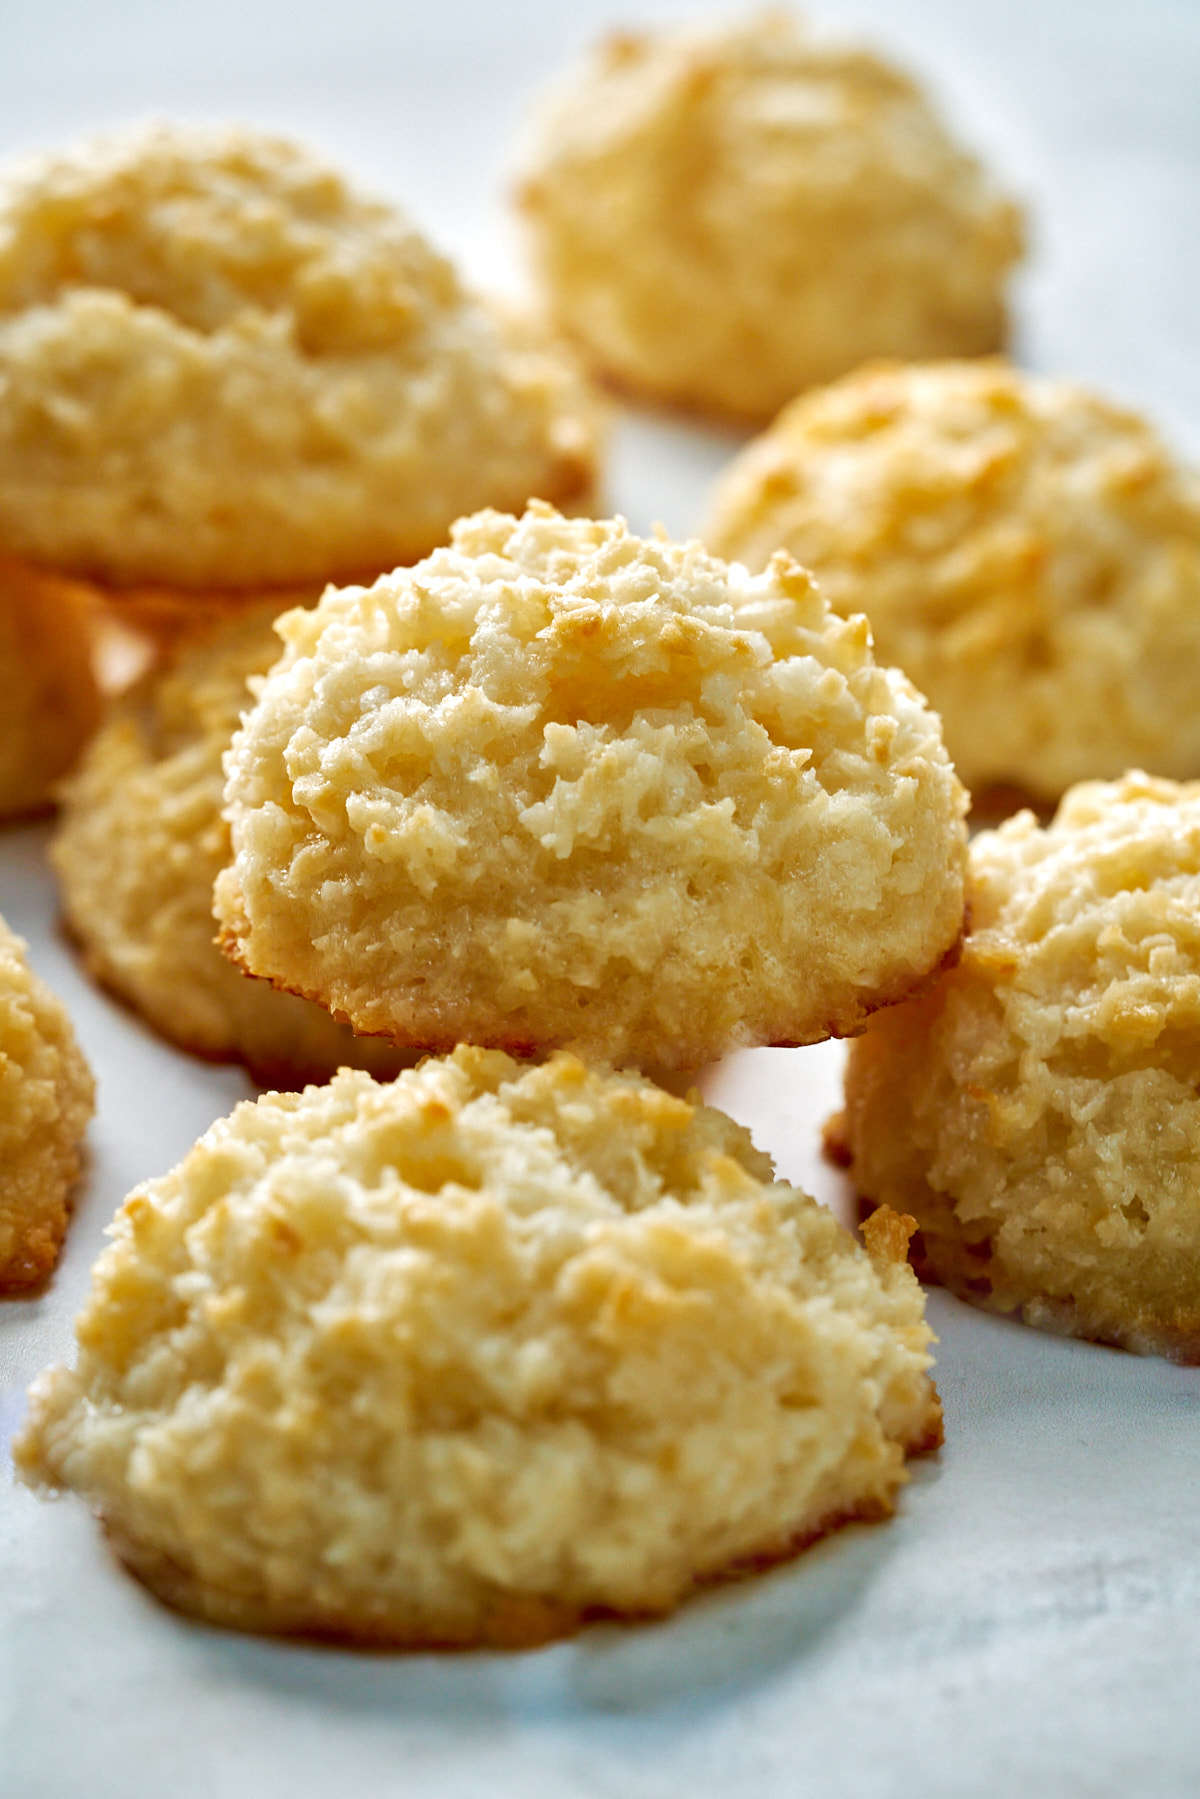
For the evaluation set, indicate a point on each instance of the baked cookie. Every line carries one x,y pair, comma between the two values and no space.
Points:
561,787
1028,553
474,1356
46,1094
1038,1109
223,370
49,694
139,843
723,216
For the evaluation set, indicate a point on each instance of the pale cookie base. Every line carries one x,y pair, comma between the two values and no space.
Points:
509,1623
966,1270
167,617
419,1041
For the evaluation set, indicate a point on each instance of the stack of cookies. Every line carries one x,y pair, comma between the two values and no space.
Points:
524,818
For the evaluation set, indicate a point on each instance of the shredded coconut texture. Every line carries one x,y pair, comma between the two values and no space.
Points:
46,1099
723,216
139,844
221,366
560,786
1028,553
1038,1110
473,1356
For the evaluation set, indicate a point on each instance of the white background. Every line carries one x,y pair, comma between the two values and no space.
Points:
1030,1622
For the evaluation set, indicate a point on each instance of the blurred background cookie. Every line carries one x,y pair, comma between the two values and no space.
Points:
46,1099
1027,552
562,786
474,1356
50,699
723,215
1038,1109
224,370
139,843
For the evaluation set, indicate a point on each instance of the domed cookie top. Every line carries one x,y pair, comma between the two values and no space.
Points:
139,843
1027,552
725,215
1038,1110
221,366
472,1356
561,786
46,1099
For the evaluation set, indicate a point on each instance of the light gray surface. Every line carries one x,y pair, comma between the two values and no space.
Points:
1030,1622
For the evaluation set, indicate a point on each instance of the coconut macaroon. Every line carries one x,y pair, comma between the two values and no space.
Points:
46,1099
559,786
1027,552
1038,1110
223,369
724,215
473,1356
51,696
139,844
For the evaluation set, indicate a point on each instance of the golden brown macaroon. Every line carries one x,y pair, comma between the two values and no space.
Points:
49,694
140,842
474,1356
559,786
724,215
1028,553
46,1099
1038,1110
223,370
